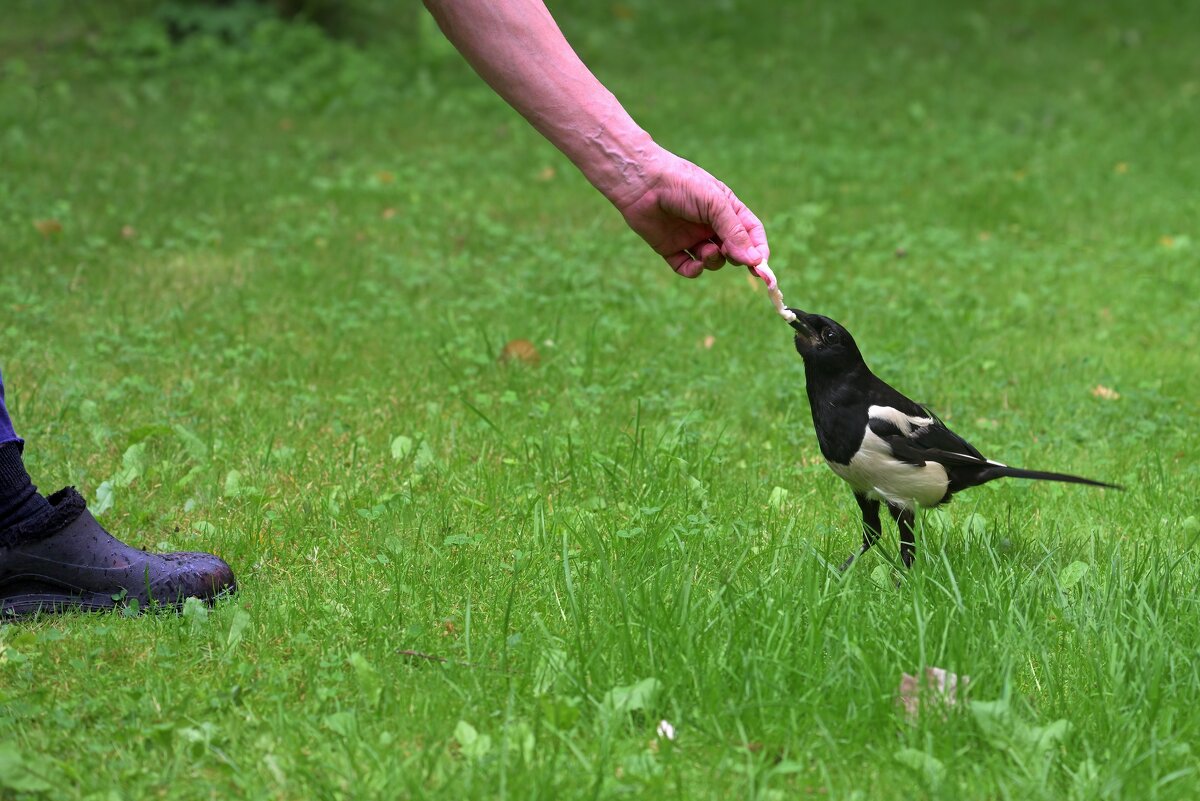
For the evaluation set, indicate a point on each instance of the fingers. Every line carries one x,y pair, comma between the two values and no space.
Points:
692,261
733,222
709,254
754,227
683,263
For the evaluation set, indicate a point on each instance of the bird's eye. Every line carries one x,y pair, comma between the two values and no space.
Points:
829,335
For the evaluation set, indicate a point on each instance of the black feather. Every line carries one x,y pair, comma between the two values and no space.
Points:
1043,475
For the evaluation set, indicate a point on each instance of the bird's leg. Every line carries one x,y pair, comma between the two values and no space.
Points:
871,527
905,519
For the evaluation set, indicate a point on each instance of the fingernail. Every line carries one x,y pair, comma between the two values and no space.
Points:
753,253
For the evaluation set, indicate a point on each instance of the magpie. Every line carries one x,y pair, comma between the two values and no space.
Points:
888,448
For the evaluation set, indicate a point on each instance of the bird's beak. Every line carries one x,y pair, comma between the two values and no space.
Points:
800,323
806,335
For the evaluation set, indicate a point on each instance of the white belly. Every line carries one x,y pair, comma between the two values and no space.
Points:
876,473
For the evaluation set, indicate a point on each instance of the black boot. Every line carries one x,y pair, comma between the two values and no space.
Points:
66,560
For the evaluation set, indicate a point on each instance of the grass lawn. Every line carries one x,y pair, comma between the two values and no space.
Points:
269,327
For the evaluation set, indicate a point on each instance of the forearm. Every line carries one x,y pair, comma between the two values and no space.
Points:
516,47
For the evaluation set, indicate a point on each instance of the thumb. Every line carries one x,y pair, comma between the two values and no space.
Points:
735,239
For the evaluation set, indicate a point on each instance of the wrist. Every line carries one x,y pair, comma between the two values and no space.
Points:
617,157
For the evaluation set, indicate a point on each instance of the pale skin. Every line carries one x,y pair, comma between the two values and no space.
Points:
687,216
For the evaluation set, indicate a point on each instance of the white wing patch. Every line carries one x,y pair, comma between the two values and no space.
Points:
876,473
906,423
909,425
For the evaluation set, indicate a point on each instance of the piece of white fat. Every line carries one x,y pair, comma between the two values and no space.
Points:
777,298
764,272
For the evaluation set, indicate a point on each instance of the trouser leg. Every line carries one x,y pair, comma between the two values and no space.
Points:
20,502
7,432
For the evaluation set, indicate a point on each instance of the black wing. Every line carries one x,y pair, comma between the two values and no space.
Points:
935,435
933,442
939,437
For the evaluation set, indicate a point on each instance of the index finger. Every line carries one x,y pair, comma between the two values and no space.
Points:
753,226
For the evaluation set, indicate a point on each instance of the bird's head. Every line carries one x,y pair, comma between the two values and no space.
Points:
824,344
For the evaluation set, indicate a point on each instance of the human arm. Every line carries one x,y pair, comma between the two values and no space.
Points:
688,217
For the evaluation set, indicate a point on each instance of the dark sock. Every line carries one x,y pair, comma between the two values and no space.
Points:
19,498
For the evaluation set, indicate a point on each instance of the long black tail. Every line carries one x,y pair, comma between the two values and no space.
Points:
1000,471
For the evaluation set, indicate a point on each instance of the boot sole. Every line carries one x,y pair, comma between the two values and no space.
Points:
48,601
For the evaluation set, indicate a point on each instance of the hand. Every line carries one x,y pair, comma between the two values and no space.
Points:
693,220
